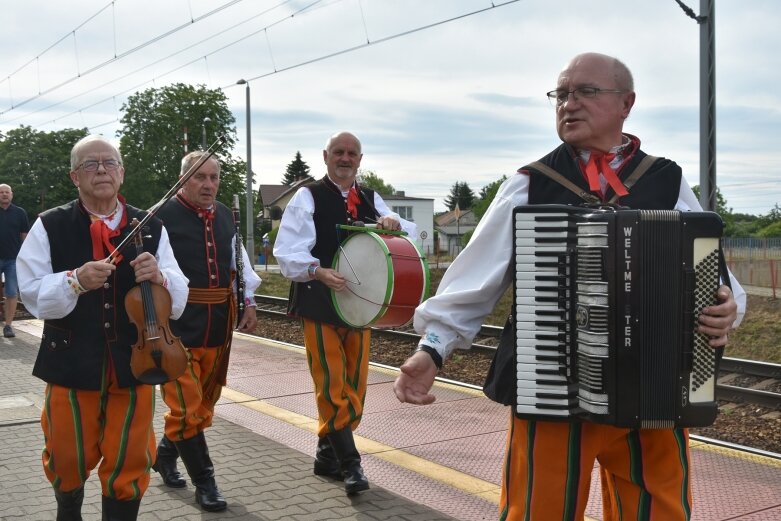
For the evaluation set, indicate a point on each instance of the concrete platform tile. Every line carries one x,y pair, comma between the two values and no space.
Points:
480,456
437,422
271,385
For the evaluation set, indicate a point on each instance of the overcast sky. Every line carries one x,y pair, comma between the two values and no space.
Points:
458,101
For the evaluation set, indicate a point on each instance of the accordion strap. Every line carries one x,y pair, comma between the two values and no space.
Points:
641,169
563,181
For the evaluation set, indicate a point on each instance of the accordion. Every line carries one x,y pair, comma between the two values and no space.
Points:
605,309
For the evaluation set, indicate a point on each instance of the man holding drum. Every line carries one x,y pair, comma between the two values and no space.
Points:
547,472
307,241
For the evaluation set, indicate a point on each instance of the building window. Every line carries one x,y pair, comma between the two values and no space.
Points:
405,212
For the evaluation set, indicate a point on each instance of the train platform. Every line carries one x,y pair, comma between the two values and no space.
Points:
436,462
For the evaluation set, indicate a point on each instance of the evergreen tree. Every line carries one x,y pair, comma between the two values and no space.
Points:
296,169
460,195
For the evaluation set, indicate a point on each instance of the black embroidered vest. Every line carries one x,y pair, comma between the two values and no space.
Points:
74,349
312,299
203,252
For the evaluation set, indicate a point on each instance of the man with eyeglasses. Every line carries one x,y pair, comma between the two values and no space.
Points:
13,230
95,412
645,472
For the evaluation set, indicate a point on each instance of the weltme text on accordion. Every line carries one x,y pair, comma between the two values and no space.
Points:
605,309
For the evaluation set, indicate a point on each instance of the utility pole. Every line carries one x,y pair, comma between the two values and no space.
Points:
708,184
250,245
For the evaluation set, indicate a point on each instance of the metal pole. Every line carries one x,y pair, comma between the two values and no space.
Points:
250,241
204,141
708,184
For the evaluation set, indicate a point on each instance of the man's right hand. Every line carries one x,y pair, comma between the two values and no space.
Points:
416,379
331,278
94,274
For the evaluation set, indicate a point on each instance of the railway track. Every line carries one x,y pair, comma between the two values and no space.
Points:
740,381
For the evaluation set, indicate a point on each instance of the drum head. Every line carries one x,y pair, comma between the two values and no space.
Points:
364,261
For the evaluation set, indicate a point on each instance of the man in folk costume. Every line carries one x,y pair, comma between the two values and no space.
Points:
645,472
95,414
338,355
204,240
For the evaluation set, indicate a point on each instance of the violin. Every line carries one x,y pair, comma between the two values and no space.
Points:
158,356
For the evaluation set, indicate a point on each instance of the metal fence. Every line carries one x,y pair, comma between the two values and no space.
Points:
748,248
753,261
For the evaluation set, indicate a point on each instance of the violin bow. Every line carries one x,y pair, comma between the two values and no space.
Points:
222,140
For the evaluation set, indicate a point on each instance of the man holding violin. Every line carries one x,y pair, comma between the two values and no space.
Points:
338,354
203,237
96,413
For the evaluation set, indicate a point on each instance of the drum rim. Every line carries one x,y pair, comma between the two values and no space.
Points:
388,286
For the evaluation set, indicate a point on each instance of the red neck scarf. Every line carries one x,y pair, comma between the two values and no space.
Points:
101,236
599,162
353,200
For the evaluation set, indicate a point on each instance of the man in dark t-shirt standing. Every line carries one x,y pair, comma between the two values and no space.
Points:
13,230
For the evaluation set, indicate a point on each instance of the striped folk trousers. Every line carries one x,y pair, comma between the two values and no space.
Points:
110,429
338,359
189,411
645,473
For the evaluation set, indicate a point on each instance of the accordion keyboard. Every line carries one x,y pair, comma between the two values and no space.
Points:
542,314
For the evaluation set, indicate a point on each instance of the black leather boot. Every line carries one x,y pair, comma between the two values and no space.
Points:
69,504
165,464
349,461
326,463
195,456
116,510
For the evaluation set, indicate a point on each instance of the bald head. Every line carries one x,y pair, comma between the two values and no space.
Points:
76,151
342,137
615,68
342,157
595,94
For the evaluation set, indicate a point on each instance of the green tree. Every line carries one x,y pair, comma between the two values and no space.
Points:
36,164
487,194
371,180
151,140
771,230
724,212
296,169
460,194
772,217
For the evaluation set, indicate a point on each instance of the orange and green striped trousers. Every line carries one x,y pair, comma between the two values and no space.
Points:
338,359
645,473
110,429
190,412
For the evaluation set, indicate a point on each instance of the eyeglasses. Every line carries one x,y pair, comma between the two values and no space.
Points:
92,166
560,97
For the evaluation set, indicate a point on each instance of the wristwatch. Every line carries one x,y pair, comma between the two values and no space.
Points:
433,353
311,270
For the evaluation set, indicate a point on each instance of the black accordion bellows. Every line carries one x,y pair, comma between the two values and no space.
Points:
605,311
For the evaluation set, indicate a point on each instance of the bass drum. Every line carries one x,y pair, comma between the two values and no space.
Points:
387,278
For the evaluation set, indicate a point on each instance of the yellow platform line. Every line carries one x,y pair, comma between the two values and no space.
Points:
471,485
453,478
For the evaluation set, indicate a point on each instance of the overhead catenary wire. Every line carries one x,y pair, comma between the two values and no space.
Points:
307,8
116,57
142,68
